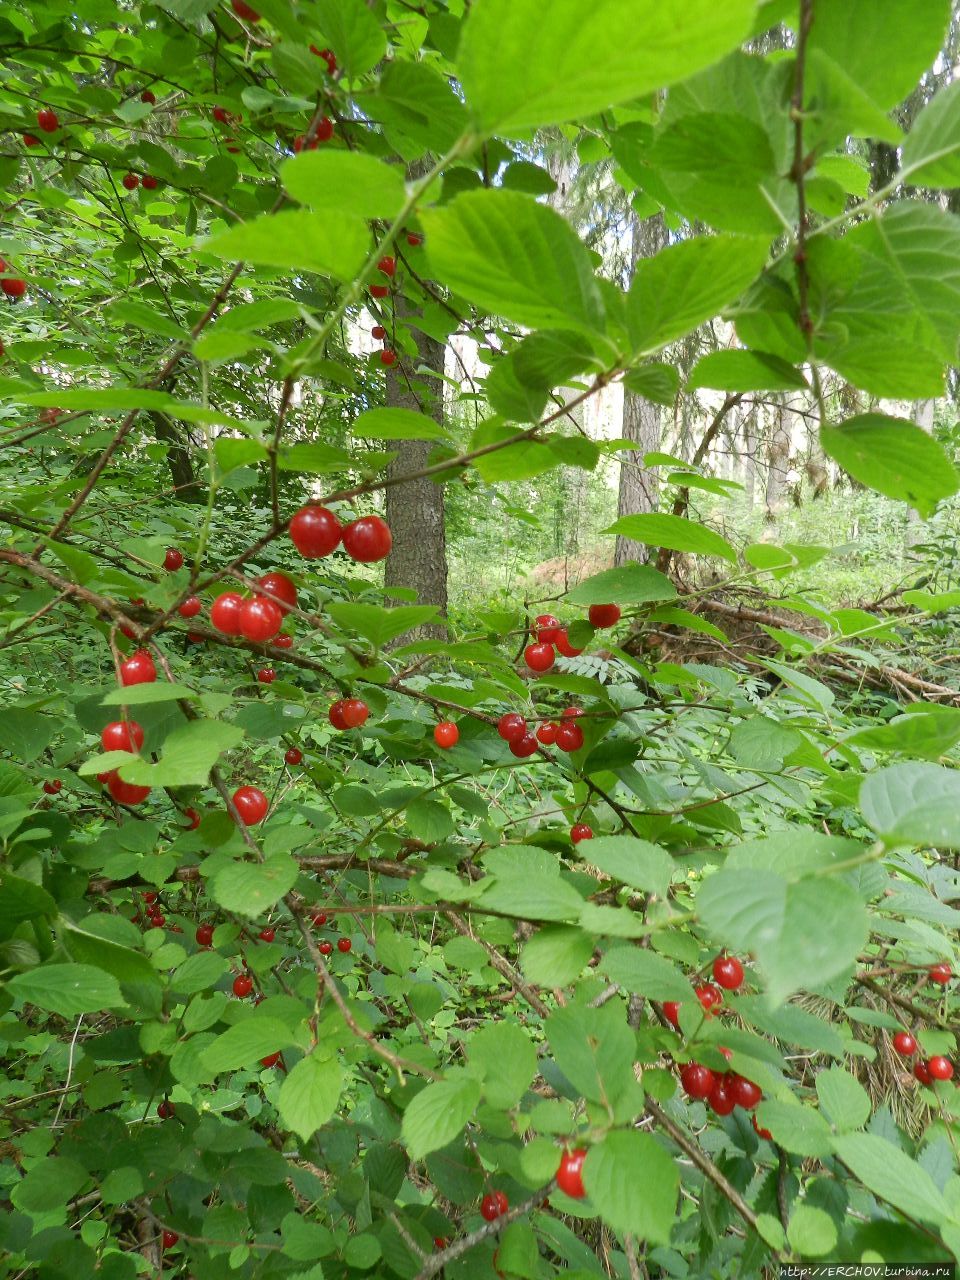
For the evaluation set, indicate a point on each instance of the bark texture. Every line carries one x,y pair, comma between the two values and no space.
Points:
187,489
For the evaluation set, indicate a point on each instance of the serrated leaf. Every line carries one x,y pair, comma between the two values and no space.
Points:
67,989
745,371
889,1173
245,1043
327,243
251,888
645,973
633,1183
557,954
380,625
438,1113
397,424
635,862
309,1095
893,456
913,804
351,182
678,534
626,584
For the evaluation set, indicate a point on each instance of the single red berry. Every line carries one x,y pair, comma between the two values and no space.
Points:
728,972
354,712
744,1092
511,727
569,736
266,675
204,934
905,1044
940,973
102,777
251,804
547,628
320,919
388,266
52,788
324,129
150,896
233,150
270,1060
709,997
31,140
446,734
225,613
267,934
367,539
243,10
173,560
293,755
166,1109
440,1242
300,143
221,115
48,120
130,181
335,714
378,332
379,291
344,945
315,531
242,985
604,615
413,240
149,96
570,1173
571,713
157,921
494,1206
388,357
922,1074
761,1132
524,747
280,589
121,735
547,733
150,183
325,948
580,831
13,287
190,607
260,620
283,642
671,1011
126,792
539,657
193,819
939,1067
697,1081
721,1101
138,669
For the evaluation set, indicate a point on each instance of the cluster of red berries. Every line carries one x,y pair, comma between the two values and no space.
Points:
552,636
936,1067
316,531
322,133
566,734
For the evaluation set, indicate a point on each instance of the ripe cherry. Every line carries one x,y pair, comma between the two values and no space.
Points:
922,1074
283,642
260,620
905,1044
267,934
388,266
204,934
744,1092
193,819
293,755
709,997
697,1080
413,240
378,332
580,831
126,792
940,973
251,804
761,1132
243,10
446,734
335,714
121,735
939,1067
320,919
388,357
440,1242
379,291
149,182
324,129
242,985
157,921
325,948
511,727
48,120
728,972
52,788
569,736
130,181
149,96
150,897
547,628
547,733
270,1060
221,115
190,607
13,287
571,713
300,143
539,657
31,140
604,615
367,539
570,1173
721,1101
166,1109
266,675
524,747
494,1206
315,531
280,589
354,712
138,669
344,945
671,1011
225,613
173,560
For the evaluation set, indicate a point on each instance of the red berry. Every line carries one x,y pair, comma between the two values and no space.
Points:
260,620
31,140
121,735
569,736
922,1074
266,675
320,919
379,291
905,1044
524,747
744,1092
539,657
547,733
388,357
150,896
138,669
193,819
344,945
315,531
439,1242
225,613
243,10
102,777
324,129
571,713
300,143
242,985
728,972
204,934
547,628
51,788
157,921
335,714
283,642
190,607
671,1011
126,792
940,1068
388,266
721,1101
251,804
494,1206
267,934
761,1133
149,182
221,115
48,121
413,240
604,615
378,332
941,973
280,589
580,831
354,712
130,181
173,559
293,755
367,539
325,948
13,287
446,734
511,727
709,997
697,1081
570,1173
166,1109
271,1060
149,96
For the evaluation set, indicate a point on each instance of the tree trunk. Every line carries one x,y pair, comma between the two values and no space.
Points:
778,464
748,458
639,487
186,486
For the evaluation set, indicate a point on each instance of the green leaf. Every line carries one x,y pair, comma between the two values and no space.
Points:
189,753
21,899
661,530
812,1233
913,804
802,933
645,973
798,1129
627,584
931,154
506,1060
48,1185
379,625
327,243
245,1043
928,732
438,1113
515,258
633,1182
688,284
67,989
142,695
594,1048
309,1095
745,371
635,862
251,888
654,381
345,182
352,31
397,424
762,742
843,1099
893,456
532,895
125,964
557,954
519,72
890,1174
